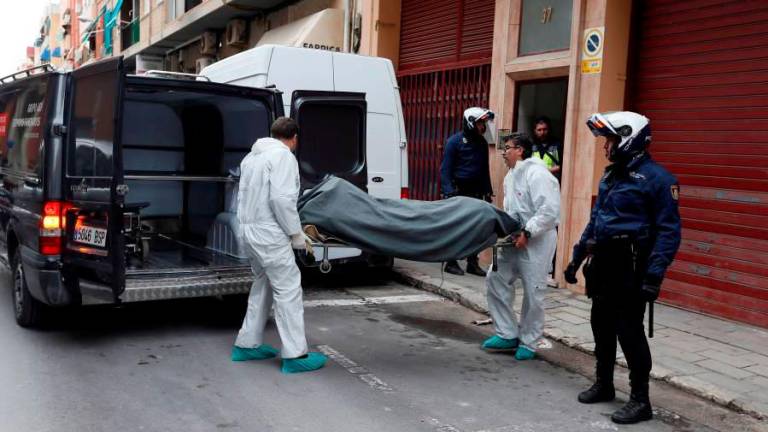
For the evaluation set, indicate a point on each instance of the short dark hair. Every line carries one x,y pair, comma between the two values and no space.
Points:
542,119
523,140
284,128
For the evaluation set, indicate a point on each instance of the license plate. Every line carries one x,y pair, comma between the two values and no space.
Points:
90,235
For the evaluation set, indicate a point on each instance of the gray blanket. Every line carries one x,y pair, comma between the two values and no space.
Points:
416,230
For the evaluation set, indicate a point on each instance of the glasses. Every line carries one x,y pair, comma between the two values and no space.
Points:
505,148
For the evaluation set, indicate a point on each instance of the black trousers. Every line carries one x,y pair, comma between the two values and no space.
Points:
617,314
470,188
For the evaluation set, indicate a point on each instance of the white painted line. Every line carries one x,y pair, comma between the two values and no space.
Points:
362,373
413,298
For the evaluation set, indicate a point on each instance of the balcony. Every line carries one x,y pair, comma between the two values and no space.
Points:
208,15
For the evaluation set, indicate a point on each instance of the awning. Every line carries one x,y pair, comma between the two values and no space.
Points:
323,30
56,52
45,54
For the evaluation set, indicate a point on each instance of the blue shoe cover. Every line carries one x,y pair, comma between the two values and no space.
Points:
499,344
312,361
524,353
261,352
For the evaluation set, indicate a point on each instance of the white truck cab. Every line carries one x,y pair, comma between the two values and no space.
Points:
299,71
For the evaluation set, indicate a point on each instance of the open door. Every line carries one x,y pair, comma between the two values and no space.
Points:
332,129
93,246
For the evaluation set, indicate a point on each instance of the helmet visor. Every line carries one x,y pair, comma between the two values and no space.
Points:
599,126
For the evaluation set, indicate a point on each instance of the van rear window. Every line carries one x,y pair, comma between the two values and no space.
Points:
164,131
22,121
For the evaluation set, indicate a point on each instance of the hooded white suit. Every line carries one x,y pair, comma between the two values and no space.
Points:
268,191
531,195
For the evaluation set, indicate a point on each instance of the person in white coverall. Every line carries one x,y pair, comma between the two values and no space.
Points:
269,229
532,196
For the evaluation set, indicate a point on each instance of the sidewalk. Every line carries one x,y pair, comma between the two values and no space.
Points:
719,360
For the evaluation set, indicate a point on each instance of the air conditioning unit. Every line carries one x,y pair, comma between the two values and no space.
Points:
208,43
202,63
237,33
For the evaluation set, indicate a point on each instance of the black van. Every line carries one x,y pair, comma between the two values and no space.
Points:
120,188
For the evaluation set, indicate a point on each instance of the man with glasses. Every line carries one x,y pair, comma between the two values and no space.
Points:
532,196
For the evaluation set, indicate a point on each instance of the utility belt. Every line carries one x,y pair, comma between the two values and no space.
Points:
615,266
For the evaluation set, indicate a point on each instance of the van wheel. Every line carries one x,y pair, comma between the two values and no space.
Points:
28,310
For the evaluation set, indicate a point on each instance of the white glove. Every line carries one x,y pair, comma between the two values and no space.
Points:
302,241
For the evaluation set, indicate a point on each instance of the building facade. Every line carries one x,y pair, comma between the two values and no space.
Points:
695,68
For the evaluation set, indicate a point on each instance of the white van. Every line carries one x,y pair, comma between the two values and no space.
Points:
302,73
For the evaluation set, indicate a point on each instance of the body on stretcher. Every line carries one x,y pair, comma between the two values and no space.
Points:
323,247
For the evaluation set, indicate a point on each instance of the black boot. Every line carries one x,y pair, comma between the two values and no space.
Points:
452,267
601,391
637,409
473,267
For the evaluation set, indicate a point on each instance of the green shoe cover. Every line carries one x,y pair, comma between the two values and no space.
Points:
261,352
524,353
312,361
499,344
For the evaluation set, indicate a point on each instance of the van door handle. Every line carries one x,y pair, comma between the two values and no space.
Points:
32,181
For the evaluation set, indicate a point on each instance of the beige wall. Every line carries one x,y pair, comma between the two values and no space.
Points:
587,93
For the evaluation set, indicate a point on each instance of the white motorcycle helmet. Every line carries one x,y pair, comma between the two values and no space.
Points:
475,114
633,130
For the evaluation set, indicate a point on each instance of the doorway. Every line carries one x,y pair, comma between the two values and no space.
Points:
542,98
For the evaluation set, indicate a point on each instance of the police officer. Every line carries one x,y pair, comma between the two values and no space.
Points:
545,147
465,169
632,237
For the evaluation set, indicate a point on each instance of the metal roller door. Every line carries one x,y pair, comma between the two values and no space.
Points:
445,67
700,73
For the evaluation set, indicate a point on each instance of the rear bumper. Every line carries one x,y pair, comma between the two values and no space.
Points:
44,280
189,285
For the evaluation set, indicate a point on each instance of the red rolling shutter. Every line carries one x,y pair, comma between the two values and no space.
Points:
444,68
701,76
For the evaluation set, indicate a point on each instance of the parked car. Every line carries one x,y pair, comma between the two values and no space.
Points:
120,188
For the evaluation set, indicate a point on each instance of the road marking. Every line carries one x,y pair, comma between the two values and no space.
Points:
412,298
362,373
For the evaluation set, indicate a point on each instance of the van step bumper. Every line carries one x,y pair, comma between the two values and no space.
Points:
165,288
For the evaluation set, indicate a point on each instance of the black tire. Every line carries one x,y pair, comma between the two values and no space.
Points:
28,310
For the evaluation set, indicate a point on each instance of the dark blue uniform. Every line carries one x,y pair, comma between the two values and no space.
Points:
632,237
465,170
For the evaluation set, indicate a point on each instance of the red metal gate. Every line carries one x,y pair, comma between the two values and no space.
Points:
701,76
433,104
445,56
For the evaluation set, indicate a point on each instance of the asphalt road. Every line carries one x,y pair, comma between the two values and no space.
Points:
402,360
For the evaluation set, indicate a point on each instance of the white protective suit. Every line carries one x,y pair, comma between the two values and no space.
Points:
266,210
532,195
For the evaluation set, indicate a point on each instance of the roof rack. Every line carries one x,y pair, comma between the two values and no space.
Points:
168,74
43,68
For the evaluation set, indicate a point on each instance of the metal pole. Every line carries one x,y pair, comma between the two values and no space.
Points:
346,25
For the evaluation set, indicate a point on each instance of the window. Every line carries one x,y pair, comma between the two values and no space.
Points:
545,26
22,122
337,150
93,127
175,131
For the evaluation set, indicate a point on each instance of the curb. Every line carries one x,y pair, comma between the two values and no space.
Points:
469,299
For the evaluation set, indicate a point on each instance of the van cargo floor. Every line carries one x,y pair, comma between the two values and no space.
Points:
171,256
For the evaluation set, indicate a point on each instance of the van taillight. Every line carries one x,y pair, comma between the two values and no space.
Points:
404,193
52,224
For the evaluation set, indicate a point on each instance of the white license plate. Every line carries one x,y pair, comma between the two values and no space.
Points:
90,235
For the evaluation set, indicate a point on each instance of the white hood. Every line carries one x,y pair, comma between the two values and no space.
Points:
266,144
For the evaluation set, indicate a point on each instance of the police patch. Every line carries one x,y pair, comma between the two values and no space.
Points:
675,189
